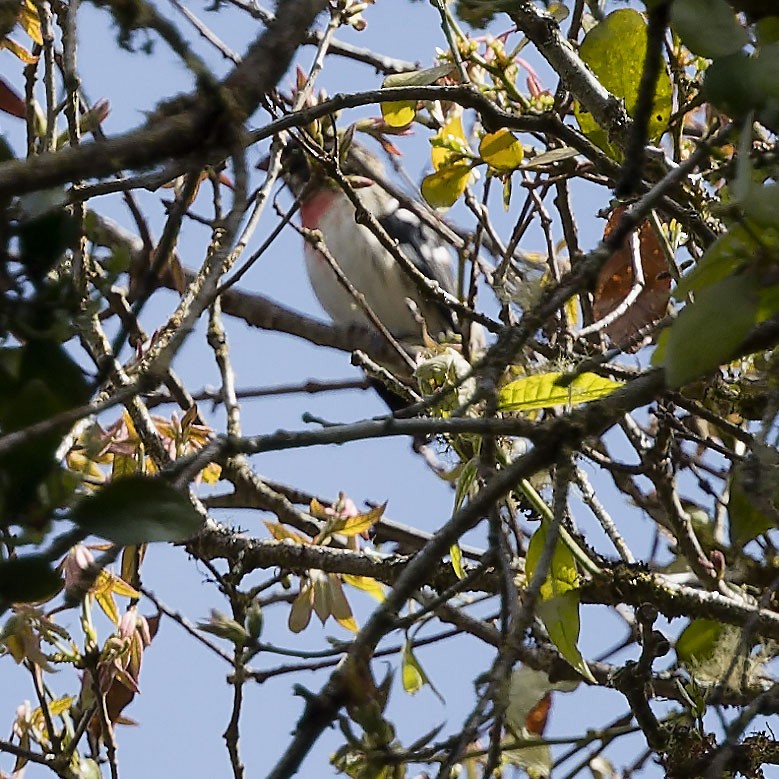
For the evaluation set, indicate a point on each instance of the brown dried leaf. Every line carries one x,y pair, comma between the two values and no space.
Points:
536,719
616,280
120,694
10,102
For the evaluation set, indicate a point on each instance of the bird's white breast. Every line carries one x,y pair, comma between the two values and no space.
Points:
367,265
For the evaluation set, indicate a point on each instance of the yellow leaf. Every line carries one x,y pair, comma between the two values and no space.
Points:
399,113
449,144
572,309
501,150
329,599
30,21
366,584
442,188
132,557
558,11
352,526
106,602
60,705
121,587
211,473
280,533
349,623
544,391
79,463
318,511
457,560
27,57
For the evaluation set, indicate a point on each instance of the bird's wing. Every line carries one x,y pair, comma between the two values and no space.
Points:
424,249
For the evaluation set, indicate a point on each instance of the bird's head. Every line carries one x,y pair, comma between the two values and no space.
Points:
298,168
303,172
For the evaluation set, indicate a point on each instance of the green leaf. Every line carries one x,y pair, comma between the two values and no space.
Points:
254,620
88,122
464,482
562,577
738,84
44,238
745,519
88,769
768,30
723,258
768,303
544,391
222,626
48,361
412,674
615,50
708,332
37,381
698,641
730,84
558,603
418,78
137,510
708,28
28,579
550,157
443,188
6,152
761,204
501,150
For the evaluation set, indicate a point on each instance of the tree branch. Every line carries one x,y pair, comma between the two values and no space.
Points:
543,31
194,125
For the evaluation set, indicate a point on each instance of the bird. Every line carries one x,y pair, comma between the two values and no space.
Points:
372,270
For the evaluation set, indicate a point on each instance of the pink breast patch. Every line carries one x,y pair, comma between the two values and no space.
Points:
314,207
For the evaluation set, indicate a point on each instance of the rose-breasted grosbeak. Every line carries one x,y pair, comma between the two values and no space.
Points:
369,267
